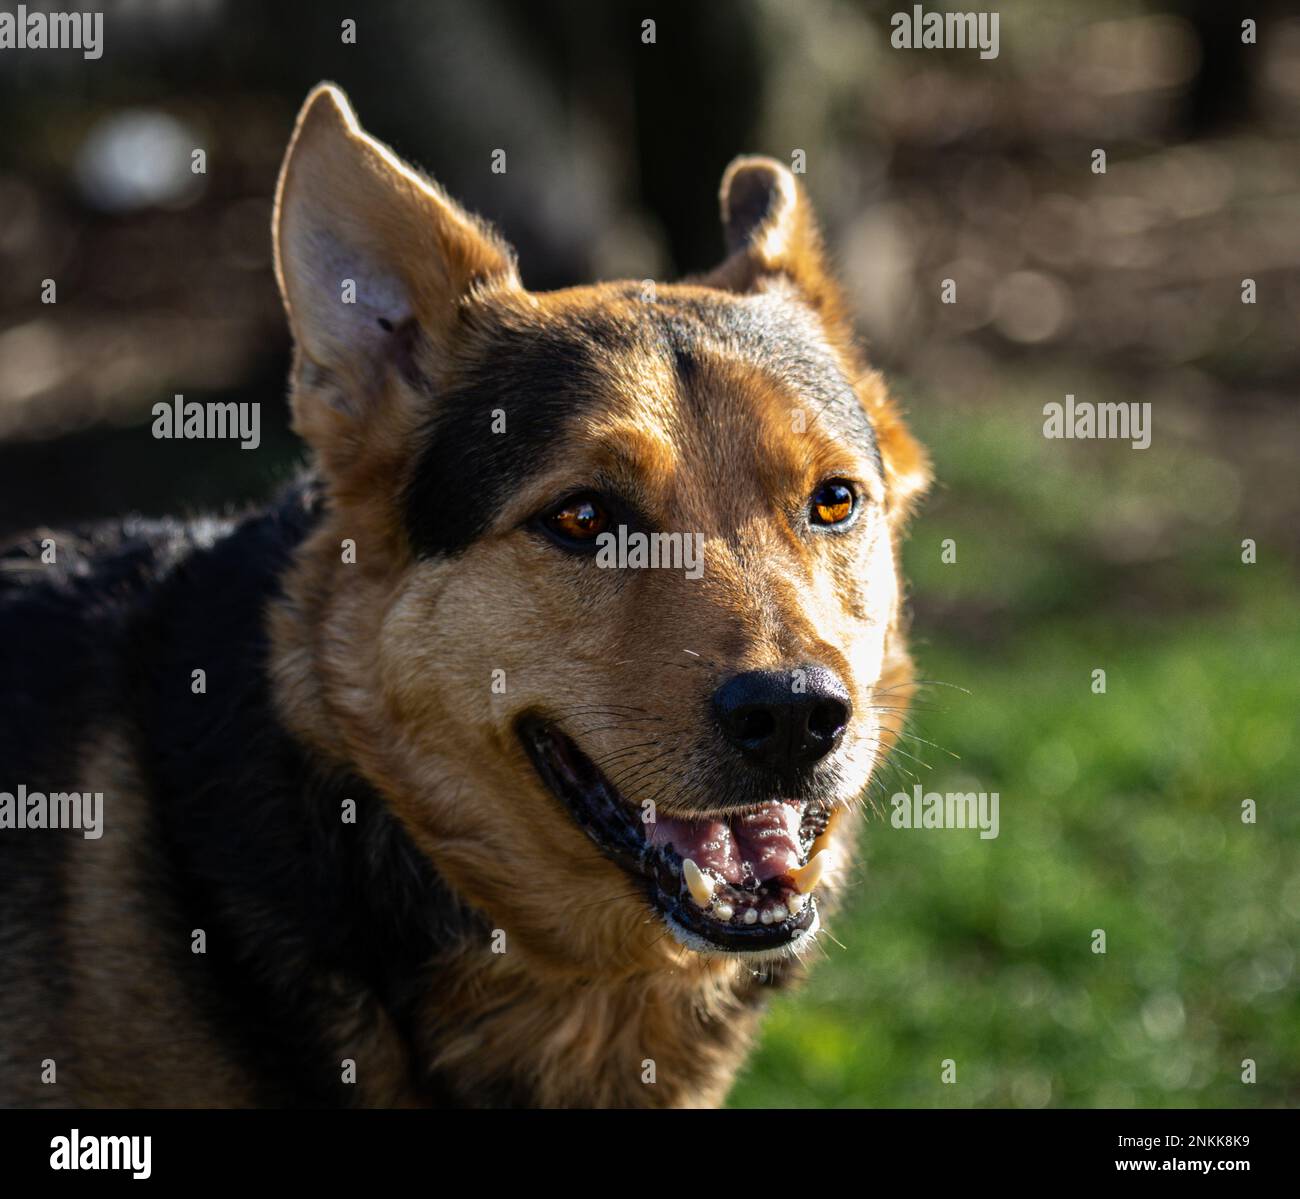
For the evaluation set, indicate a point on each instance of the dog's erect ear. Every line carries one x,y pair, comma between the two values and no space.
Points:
367,253
771,234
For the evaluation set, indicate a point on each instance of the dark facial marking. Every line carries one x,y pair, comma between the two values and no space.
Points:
539,377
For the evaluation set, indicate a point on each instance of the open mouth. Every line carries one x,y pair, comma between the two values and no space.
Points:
742,883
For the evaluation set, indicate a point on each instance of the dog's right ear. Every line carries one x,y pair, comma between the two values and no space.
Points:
772,235
370,257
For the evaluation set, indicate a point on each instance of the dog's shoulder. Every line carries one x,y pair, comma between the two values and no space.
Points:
72,587
67,599
75,605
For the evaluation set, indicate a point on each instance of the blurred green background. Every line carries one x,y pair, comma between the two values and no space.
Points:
1119,811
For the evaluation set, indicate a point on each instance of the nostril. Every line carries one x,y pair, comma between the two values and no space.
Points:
828,718
756,725
778,725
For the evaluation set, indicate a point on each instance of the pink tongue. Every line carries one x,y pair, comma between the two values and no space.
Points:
767,837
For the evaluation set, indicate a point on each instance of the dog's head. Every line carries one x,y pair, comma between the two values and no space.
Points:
607,604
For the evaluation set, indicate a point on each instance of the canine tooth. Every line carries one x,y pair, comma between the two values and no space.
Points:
805,878
724,911
824,837
796,903
699,884
751,916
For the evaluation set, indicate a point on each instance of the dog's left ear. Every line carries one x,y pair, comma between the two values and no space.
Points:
772,234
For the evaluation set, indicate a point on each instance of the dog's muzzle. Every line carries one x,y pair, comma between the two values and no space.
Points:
740,884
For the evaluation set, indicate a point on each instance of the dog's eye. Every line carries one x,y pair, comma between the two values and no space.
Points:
577,521
832,503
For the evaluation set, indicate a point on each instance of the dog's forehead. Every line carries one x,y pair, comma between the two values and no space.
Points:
770,332
622,366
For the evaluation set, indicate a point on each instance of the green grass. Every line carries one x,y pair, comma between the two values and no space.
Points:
1119,811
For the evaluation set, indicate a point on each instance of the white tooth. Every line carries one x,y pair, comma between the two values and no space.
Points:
724,911
796,903
779,912
766,916
751,916
699,884
807,877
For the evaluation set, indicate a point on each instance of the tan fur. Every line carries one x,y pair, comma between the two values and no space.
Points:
590,986
384,665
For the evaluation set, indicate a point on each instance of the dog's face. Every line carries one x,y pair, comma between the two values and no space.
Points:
621,642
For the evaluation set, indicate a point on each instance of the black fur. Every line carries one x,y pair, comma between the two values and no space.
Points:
307,919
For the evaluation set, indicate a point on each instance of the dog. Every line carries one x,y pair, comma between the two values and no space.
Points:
443,779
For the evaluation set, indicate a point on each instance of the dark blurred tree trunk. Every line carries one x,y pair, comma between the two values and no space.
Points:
698,94
682,107
1220,97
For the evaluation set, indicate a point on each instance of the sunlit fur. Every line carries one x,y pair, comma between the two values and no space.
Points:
488,954
388,662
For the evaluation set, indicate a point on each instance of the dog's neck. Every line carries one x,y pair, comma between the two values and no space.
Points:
643,1041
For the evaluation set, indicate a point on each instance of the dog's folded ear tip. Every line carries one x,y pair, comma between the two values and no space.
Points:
755,190
754,164
771,230
754,174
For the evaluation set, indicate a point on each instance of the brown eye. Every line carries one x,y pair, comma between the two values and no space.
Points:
578,520
832,503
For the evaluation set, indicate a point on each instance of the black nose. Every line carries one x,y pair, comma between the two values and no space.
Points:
784,720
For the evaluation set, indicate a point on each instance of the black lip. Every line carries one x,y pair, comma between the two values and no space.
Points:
598,809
